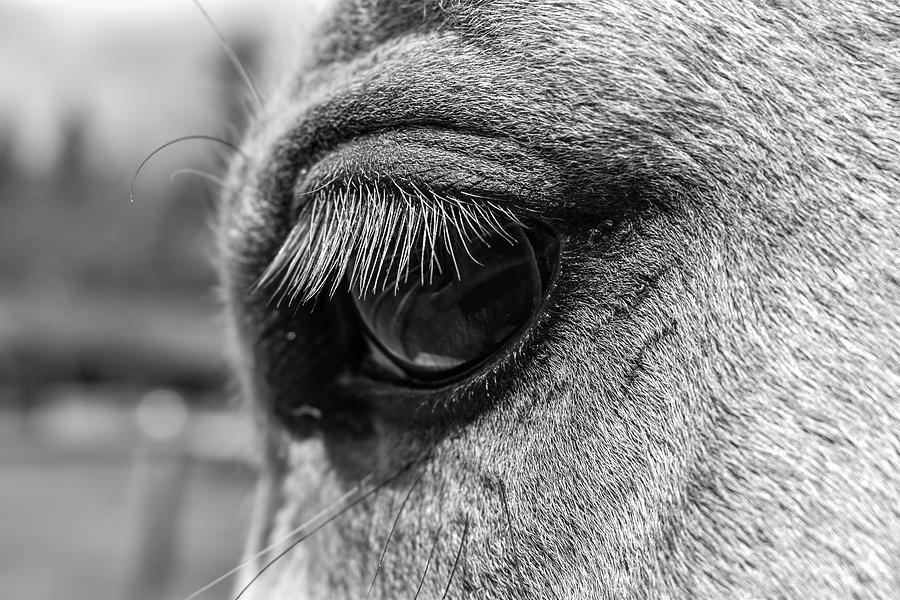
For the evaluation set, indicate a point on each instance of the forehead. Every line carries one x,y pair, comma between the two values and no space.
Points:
356,26
539,66
682,82
539,26
612,95
656,96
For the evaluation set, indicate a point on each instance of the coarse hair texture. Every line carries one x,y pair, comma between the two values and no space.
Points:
707,407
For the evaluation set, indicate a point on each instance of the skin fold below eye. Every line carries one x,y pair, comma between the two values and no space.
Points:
449,315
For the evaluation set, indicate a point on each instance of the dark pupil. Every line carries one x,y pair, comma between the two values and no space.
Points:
462,313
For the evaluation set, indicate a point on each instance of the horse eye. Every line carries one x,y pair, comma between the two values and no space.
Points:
449,316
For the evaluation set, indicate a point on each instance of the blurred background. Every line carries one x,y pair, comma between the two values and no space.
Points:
126,466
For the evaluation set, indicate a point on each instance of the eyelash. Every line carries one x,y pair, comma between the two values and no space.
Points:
367,234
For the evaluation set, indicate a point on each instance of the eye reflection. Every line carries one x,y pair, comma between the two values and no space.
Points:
445,321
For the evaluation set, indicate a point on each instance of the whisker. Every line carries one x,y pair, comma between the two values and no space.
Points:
324,512
178,140
232,57
462,543
391,533
197,173
281,540
434,543
393,476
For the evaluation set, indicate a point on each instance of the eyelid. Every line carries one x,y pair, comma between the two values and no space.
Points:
359,232
496,177
456,162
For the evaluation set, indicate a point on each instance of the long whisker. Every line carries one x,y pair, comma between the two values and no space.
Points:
462,543
391,533
323,513
434,543
397,473
178,140
232,57
284,538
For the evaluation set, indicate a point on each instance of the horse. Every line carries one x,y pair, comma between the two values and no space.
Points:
584,299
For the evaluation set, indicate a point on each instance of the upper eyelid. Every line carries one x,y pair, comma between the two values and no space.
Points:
496,177
460,162
349,231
